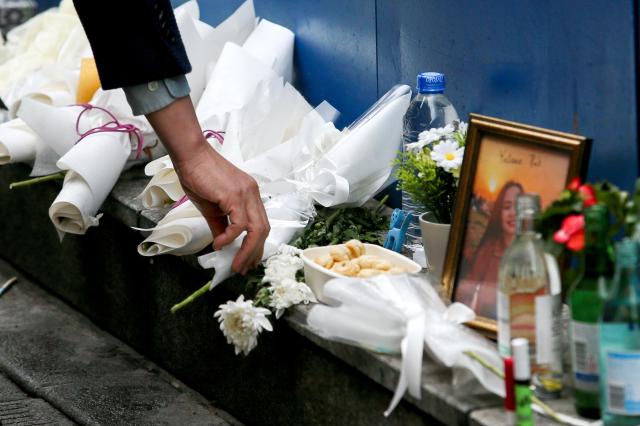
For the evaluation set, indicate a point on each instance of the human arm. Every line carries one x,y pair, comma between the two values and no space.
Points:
228,198
137,46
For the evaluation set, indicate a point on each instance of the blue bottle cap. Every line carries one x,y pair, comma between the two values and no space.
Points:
430,82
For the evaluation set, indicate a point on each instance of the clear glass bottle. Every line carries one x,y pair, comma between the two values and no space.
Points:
620,342
429,109
585,302
526,307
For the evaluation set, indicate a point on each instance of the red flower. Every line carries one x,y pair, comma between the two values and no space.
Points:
571,233
588,195
574,184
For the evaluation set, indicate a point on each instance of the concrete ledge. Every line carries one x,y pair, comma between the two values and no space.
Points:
293,377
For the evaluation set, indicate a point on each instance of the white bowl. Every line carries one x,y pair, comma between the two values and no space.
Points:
316,276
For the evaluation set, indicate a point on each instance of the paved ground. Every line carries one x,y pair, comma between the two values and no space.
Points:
56,367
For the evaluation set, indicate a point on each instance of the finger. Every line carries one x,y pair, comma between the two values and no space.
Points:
258,227
247,253
217,224
237,224
216,220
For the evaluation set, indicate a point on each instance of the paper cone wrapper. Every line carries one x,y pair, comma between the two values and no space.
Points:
93,166
361,161
273,45
231,86
235,29
51,85
204,43
288,215
182,231
189,8
164,186
18,143
197,51
313,138
55,126
116,103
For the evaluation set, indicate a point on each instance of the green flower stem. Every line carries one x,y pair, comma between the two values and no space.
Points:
39,179
485,364
175,308
548,410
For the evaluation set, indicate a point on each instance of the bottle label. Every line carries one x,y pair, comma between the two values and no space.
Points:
548,328
584,355
623,383
504,325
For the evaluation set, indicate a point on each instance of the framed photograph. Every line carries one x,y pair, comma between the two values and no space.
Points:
502,160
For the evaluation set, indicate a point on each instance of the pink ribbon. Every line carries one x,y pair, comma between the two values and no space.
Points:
219,136
112,126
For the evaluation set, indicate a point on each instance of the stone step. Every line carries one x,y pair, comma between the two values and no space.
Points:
60,359
17,408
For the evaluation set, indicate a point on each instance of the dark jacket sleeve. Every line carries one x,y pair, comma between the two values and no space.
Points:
133,41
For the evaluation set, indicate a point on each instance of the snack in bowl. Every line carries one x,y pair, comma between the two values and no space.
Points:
350,259
371,260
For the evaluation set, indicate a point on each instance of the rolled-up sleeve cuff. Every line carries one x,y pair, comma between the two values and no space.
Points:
149,97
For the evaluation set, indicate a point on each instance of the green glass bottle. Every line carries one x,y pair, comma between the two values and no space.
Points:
585,302
620,342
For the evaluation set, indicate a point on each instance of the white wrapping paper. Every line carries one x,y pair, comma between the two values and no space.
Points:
37,42
93,167
164,186
204,43
273,45
360,163
288,214
182,231
55,127
51,85
231,86
18,143
405,315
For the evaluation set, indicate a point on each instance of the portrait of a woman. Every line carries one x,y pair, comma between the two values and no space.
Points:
479,278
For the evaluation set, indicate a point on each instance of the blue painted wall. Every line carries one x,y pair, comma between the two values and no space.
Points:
566,64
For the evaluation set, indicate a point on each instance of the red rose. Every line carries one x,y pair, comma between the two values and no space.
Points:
588,195
574,184
571,233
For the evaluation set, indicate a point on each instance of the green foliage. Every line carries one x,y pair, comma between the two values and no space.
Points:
256,289
622,206
335,226
428,185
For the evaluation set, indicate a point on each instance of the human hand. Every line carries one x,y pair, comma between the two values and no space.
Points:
230,201
227,197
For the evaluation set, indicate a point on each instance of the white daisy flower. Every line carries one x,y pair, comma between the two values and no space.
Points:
289,292
448,155
241,323
462,128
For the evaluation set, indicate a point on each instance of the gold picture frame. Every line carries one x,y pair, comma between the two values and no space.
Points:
510,154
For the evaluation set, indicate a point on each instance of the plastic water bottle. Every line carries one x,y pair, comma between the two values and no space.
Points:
429,109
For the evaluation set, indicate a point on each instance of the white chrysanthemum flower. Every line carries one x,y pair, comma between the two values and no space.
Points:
280,267
448,155
289,292
241,323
